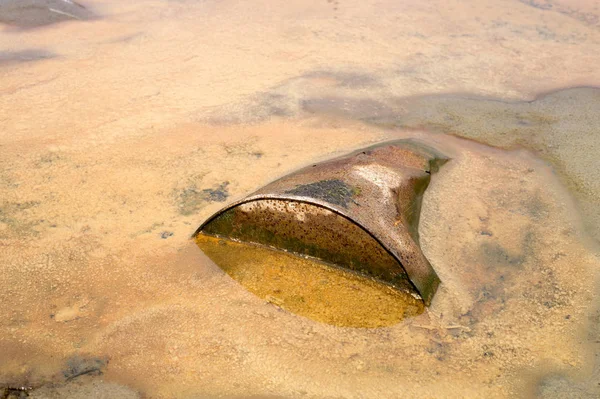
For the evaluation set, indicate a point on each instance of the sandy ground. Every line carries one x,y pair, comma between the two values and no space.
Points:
124,125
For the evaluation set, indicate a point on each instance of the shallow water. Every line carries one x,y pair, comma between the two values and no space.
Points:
310,288
121,132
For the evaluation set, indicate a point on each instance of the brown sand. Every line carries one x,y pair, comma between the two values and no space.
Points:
120,134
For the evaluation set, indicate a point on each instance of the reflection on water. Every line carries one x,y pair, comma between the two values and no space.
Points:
120,134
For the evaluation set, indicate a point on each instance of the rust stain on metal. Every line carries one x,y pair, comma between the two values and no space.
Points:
359,211
332,191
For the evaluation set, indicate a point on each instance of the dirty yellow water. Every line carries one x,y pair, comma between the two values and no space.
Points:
123,127
311,288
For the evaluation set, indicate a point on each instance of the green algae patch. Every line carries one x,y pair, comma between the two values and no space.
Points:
310,288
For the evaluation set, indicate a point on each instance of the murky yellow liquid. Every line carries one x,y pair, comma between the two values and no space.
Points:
310,288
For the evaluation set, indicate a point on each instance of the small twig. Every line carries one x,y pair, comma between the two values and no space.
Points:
84,372
451,327
425,327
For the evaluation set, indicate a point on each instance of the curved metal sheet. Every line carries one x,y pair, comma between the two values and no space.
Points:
379,188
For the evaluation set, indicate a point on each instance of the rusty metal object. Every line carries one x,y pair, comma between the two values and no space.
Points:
360,212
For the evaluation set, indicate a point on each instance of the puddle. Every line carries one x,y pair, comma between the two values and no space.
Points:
310,288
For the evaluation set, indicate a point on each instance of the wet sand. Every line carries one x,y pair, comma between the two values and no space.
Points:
120,133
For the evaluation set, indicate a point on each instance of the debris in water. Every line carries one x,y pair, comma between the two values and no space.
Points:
359,212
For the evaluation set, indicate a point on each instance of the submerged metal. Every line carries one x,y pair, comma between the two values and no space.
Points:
359,212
